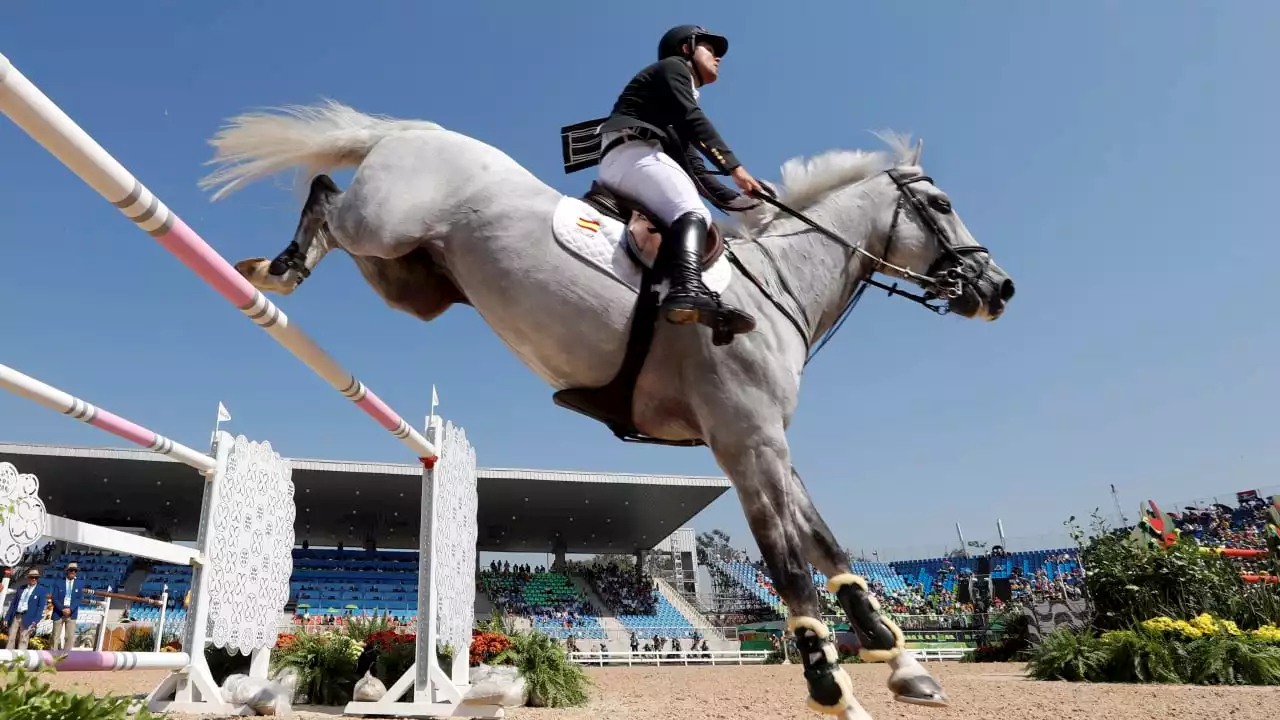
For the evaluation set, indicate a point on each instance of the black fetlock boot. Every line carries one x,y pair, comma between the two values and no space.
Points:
882,641
880,637
689,301
323,190
830,689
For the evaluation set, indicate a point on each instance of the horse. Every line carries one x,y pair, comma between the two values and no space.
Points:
433,218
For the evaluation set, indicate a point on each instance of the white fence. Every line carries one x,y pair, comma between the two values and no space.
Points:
714,657
928,654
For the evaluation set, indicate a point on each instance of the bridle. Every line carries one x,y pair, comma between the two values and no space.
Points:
955,269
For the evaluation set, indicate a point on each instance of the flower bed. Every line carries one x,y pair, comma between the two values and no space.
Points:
1203,651
328,663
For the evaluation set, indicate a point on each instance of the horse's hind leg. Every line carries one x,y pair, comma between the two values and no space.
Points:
759,467
311,241
881,639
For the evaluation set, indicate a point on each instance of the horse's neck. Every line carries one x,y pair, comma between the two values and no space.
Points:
821,272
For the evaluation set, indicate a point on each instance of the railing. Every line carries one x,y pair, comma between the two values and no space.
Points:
713,657
967,621
687,609
682,632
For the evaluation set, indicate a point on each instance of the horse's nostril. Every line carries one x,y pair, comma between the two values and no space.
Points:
1006,290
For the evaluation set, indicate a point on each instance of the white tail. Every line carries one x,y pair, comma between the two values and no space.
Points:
318,137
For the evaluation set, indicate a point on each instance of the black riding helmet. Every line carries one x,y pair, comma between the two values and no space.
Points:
676,37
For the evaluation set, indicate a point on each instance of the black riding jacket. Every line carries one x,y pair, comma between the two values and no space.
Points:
661,96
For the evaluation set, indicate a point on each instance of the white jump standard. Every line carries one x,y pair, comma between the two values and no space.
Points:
247,489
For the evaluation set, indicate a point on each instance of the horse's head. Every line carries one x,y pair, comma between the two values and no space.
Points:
925,236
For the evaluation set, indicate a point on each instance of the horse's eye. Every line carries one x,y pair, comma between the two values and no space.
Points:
940,204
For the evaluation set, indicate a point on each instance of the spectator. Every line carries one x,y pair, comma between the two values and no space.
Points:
622,590
25,611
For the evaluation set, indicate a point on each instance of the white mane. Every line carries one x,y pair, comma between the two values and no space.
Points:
805,181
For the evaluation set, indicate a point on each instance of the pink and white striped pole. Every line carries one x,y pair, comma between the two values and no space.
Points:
48,125
94,661
72,406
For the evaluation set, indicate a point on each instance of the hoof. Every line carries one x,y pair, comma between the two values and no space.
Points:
919,690
257,271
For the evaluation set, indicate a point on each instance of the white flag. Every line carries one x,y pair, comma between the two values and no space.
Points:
435,399
223,415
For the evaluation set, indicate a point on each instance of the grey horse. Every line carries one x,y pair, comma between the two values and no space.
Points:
433,217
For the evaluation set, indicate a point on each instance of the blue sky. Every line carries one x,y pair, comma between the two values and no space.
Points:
1116,157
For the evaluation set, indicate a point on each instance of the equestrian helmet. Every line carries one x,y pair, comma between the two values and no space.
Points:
674,39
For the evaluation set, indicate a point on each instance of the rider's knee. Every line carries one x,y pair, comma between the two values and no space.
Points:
691,216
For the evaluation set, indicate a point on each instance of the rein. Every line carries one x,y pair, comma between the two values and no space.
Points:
944,285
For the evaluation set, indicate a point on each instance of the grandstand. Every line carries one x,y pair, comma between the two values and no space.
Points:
925,572
345,505
665,620
176,578
549,600
333,582
95,568
519,511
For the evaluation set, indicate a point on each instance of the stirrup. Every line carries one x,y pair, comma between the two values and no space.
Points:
725,321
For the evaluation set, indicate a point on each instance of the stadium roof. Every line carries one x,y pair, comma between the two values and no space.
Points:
519,510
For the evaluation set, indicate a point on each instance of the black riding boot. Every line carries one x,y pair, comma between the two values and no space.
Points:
689,301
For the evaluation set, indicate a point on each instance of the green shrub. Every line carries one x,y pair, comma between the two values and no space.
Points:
1147,655
1142,656
1067,655
359,628
326,665
552,680
1128,583
25,696
1232,660
138,638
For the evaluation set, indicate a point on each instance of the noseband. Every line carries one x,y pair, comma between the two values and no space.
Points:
956,268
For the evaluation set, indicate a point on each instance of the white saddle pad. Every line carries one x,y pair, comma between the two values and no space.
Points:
598,240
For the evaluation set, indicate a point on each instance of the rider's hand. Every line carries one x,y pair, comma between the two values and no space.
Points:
745,182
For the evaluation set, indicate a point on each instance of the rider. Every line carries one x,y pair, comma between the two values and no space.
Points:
635,162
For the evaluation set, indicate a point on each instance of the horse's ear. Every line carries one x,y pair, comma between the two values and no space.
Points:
915,155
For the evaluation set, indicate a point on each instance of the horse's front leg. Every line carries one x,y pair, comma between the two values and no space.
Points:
760,469
879,636
311,241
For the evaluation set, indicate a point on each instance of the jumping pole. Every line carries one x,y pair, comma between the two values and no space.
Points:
47,124
93,661
73,407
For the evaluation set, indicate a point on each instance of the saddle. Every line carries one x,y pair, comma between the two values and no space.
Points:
644,234
612,404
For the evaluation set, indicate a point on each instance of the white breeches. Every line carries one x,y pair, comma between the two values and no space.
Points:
642,171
